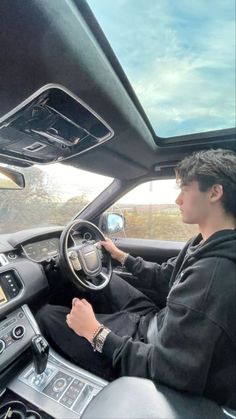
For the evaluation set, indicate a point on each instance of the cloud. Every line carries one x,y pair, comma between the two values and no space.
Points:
180,59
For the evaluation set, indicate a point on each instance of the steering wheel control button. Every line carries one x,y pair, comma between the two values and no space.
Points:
74,260
18,332
2,346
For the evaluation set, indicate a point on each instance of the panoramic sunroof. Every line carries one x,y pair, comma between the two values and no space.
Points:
179,57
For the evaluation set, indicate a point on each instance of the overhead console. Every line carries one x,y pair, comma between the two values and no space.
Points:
51,125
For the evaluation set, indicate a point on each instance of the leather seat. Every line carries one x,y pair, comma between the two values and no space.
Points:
135,398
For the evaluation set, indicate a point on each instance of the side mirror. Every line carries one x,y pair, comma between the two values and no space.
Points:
11,179
112,223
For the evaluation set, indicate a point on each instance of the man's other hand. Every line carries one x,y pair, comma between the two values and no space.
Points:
82,319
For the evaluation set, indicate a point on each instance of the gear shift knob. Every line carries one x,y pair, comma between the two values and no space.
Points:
40,349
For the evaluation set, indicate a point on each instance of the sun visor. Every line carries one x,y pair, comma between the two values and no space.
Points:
51,125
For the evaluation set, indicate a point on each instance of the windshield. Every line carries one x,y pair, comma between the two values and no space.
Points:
53,195
179,57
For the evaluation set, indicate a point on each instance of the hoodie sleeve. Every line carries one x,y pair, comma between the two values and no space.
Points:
155,276
181,357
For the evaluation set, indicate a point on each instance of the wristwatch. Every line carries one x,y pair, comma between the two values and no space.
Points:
124,258
100,338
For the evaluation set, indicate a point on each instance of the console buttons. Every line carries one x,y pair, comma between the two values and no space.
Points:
7,323
8,340
72,393
84,397
2,346
18,332
57,385
67,401
38,379
60,384
9,284
20,315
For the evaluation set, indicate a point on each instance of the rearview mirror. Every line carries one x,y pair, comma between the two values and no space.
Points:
11,179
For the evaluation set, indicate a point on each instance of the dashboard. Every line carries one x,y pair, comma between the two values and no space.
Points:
37,245
22,256
25,256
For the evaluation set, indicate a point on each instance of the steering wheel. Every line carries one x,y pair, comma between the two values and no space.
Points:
86,264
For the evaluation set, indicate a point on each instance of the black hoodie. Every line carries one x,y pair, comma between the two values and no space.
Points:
193,348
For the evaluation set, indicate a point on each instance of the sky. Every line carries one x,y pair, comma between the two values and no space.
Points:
179,56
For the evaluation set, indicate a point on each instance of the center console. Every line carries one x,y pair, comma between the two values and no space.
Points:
62,390
16,332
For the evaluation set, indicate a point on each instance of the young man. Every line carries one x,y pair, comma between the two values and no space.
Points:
190,344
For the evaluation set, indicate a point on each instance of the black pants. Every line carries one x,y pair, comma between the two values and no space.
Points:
120,307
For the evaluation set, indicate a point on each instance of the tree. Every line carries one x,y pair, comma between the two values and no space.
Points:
23,208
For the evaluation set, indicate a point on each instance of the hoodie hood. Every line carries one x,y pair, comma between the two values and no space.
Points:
220,244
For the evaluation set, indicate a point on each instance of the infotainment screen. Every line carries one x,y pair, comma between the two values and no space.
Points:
3,298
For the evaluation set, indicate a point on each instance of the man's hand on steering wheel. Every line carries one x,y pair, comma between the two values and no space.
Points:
113,250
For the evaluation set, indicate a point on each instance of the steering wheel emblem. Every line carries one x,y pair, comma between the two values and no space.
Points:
90,260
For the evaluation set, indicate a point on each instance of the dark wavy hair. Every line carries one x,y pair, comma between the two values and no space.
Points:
208,168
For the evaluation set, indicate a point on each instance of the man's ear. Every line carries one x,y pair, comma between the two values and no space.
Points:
216,192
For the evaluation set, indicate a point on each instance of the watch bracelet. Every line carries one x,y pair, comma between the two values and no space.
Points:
98,341
124,258
95,333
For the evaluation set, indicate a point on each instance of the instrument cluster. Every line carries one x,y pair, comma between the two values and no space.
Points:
42,250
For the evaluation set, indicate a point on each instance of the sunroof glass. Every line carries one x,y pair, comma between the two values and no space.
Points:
179,57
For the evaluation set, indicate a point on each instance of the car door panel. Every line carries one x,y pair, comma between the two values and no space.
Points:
153,250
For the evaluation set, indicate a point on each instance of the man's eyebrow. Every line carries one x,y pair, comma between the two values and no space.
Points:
182,185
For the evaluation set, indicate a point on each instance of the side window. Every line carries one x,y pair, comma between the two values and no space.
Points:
150,212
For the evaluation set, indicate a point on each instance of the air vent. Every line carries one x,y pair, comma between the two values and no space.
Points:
51,125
